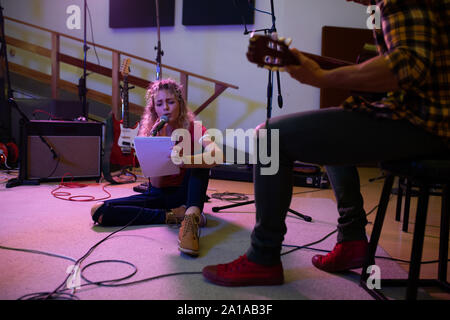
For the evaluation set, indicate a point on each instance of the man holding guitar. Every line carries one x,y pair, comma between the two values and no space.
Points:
412,121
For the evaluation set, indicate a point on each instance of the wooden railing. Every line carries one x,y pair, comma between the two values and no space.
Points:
56,57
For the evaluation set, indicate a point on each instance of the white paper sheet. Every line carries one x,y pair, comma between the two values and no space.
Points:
153,154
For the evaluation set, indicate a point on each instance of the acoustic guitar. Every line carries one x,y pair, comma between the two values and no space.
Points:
274,54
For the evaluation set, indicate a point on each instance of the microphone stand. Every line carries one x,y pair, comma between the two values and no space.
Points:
270,83
274,29
21,180
159,52
82,90
143,187
269,113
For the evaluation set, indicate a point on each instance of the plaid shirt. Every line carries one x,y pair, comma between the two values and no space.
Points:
415,42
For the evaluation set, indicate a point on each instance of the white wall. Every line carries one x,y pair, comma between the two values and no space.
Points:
217,52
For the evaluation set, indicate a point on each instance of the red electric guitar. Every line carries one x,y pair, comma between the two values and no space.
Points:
274,54
122,152
119,151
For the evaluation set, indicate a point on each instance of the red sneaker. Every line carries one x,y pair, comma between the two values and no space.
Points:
243,272
345,255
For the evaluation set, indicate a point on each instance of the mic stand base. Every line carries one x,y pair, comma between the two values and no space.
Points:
15,182
217,209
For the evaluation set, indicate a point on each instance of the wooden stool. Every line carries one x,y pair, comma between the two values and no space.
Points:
424,174
408,190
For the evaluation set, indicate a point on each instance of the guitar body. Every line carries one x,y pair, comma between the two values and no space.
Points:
113,157
127,135
119,137
121,157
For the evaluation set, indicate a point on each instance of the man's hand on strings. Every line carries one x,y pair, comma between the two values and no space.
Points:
308,72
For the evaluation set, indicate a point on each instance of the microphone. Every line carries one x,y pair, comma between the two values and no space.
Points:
163,121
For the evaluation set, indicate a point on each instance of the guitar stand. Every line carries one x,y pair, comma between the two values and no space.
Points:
118,178
269,114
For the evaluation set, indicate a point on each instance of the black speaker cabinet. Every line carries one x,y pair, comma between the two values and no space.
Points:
54,149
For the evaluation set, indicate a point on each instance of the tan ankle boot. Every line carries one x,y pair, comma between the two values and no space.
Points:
188,236
176,215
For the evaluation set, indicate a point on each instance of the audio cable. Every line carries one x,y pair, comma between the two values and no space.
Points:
61,293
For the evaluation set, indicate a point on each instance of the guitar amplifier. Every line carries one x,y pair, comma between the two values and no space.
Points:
239,172
54,149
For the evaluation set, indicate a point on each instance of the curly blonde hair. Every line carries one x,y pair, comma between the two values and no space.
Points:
149,117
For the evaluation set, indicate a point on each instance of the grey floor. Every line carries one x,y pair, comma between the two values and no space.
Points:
32,218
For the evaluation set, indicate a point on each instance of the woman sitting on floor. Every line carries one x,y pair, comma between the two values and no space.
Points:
175,198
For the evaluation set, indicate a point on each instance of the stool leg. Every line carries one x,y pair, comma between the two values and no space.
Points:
417,246
407,205
444,234
378,224
398,211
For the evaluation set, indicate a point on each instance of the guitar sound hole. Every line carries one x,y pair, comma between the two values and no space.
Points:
268,59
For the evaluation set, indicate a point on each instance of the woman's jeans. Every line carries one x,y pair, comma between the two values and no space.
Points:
152,205
338,139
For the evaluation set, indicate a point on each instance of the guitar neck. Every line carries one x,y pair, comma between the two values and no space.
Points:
327,62
125,116
275,54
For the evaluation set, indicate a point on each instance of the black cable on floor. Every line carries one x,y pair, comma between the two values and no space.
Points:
60,294
229,196
59,291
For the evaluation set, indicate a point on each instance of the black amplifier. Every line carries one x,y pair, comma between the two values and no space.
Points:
52,149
